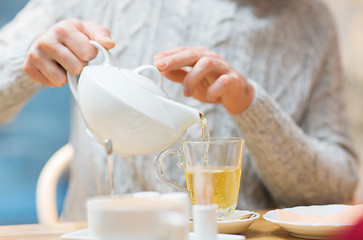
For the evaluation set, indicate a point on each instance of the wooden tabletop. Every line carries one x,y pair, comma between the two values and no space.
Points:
261,230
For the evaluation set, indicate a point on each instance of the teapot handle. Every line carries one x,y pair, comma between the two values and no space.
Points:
73,79
154,69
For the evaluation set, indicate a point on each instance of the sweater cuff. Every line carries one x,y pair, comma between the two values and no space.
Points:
17,52
15,87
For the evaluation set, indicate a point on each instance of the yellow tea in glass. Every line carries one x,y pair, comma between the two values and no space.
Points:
225,181
217,163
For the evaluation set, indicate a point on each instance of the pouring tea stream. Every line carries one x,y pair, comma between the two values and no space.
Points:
129,109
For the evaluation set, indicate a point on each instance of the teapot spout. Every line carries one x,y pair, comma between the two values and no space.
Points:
182,115
187,117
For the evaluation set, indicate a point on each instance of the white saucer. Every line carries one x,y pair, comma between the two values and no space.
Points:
233,224
78,235
83,235
306,230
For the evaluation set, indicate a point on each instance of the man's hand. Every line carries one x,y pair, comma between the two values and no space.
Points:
206,77
64,47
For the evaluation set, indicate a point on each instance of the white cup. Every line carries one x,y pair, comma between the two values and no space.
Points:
135,218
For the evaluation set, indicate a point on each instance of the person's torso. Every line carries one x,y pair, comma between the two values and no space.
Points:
260,39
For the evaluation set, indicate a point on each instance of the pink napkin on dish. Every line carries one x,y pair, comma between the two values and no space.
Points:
350,215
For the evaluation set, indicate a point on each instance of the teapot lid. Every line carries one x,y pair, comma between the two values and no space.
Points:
143,82
128,87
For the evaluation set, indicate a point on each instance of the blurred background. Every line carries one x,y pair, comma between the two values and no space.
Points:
349,18
42,126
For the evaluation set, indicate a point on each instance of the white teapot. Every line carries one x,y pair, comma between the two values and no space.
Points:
129,109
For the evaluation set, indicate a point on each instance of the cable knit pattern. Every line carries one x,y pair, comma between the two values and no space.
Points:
298,146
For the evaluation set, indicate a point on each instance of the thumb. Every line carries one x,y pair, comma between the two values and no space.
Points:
99,34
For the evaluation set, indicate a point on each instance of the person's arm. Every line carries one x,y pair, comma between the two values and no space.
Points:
309,163
41,45
313,163
15,38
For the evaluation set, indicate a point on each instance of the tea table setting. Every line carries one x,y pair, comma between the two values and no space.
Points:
260,229
204,209
150,215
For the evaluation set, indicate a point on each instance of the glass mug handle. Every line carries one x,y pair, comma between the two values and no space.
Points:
160,172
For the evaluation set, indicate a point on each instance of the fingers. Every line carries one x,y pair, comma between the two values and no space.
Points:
37,76
54,73
75,35
172,64
59,53
209,78
98,33
90,30
63,56
176,50
206,69
181,57
176,75
44,71
177,60
223,84
64,47
77,42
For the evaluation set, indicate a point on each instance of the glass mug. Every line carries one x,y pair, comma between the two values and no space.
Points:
218,161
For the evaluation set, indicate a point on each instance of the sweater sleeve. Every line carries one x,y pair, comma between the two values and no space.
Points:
15,38
311,162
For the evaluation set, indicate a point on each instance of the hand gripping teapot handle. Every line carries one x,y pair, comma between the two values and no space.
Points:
73,79
154,69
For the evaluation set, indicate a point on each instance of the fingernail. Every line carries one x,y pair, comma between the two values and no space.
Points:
161,64
106,37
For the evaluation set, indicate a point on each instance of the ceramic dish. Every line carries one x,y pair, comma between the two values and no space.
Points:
306,230
233,224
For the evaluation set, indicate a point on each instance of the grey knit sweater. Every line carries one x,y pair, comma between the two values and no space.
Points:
299,151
